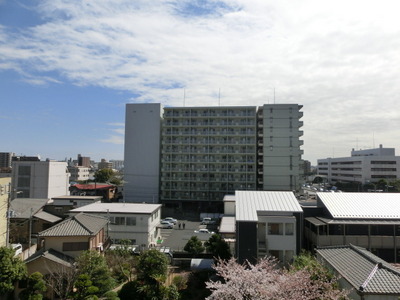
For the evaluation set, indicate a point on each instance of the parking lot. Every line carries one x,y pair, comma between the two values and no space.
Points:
177,238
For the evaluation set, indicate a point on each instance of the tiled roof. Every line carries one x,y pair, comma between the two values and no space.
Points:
366,272
250,203
79,225
52,255
362,205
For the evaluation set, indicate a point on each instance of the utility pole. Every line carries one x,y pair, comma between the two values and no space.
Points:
8,215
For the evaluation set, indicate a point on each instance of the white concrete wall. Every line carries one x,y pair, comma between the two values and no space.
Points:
142,152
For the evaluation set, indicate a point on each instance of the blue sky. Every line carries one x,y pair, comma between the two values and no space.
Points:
67,68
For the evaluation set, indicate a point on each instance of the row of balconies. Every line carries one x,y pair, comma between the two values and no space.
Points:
217,178
219,151
207,141
210,113
204,123
220,169
213,132
209,187
211,160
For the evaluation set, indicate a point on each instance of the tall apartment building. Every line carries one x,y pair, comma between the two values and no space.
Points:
5,159
40,179
363,166
83,161
197,155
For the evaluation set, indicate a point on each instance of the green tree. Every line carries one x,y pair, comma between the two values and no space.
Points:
306,261
12,269
35,287
122,261
84,289
194,246
152,266
94,265
218,247
152,270
103,175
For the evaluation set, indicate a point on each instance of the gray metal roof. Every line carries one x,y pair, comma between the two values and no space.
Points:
79,225
362,205
52,255
47,217
366,272
250,203
133,208
24,208
228,225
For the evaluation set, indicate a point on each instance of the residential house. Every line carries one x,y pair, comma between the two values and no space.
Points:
367,276
368,220
27,219
61,205
76,234
137,222
267,223
109,192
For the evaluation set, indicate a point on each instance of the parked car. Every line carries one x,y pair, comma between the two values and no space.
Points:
204,230
208,221
17,248
171,220
166,224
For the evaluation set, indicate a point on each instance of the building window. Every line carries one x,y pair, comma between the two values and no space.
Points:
289,229
75,246
275,228
119,220
131,221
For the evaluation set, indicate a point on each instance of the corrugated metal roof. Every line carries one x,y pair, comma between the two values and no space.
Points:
138,208
362,205
250,203
360,268
79,225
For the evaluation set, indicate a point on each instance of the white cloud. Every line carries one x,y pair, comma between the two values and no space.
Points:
338,58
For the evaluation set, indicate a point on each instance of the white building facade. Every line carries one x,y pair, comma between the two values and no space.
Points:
197,155
79,173
363,166
136,222
40,179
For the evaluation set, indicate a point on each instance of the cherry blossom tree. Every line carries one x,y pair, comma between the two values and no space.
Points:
265,280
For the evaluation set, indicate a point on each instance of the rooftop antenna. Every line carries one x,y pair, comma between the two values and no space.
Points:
184,97
219,97
274,95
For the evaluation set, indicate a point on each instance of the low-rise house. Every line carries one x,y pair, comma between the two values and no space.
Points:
267,223
137,222
366,275
61,205
27,219
76,234
109,192
368,220
56,267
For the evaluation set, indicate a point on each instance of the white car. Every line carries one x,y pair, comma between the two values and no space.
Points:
17,248
166,224
204,230
171,220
